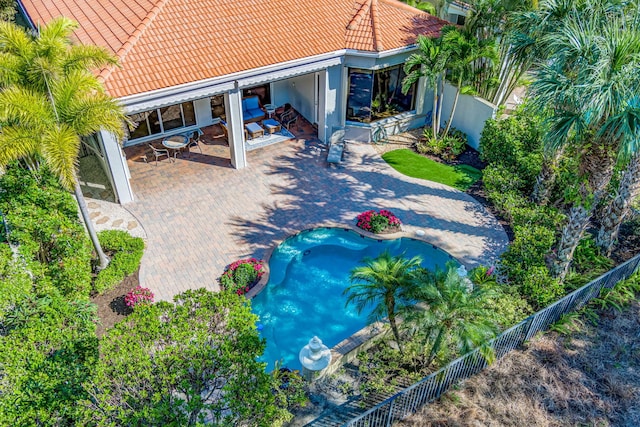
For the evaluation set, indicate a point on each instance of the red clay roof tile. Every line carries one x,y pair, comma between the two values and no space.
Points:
163,43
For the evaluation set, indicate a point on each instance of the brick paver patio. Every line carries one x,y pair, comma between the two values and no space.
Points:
199,214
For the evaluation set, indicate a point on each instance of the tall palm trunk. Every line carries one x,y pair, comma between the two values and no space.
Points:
453,108
82,205
615,212
434,118
572,233
544,180
391,313
597,165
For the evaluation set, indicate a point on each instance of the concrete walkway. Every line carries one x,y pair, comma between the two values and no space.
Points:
200,214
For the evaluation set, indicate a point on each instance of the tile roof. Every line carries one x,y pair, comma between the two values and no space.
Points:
164,43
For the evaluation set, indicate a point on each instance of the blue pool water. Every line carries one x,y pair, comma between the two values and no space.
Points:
303,297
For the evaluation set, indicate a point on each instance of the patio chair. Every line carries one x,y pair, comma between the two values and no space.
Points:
194,141
225,130
288,116
159,152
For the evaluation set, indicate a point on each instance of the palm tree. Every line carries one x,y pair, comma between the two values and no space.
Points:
586,80
430,62
384,284
619,206
50,99
449,313
464,51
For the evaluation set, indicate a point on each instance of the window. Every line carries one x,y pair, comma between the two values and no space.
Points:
262,92
163,119
375,95
217,107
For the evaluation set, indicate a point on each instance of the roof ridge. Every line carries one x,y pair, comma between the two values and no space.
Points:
375,24
359,16
133,38
401,5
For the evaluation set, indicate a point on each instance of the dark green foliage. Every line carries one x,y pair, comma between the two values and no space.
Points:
588,259
378,223
44,222
176,364
7,10
515,143
540,288
529,248
505,304
46,353
126,252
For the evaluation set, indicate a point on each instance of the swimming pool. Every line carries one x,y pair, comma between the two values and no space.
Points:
308,273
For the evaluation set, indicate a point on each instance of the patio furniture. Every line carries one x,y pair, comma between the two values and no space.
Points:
251,111
271,108
272,126
175,143
254,130
288,116
194,141
159,152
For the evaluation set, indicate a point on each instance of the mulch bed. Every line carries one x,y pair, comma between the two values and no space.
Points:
111,306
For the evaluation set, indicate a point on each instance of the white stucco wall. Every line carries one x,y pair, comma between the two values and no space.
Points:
470,114
202,108
297,91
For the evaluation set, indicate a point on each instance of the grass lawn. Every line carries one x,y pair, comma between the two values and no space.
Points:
412,164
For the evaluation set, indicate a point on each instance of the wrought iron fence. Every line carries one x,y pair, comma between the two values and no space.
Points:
409,400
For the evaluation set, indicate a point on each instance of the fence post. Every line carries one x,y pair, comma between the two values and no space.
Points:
527,335
390,413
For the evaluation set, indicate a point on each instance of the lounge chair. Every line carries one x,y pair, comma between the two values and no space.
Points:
251,109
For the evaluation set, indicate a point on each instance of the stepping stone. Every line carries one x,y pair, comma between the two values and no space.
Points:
131,225
102,220
117,223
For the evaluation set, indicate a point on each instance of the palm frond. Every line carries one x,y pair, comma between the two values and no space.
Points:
17,142
60,146
87,57
26,107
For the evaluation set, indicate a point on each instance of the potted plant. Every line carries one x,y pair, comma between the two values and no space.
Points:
383,221
242,275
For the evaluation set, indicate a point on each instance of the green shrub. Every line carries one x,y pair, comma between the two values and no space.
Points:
534,215
241,275
43,219
515,142
505,305
126,252
379,223
530,246
448,148
539,288
498,179
588,259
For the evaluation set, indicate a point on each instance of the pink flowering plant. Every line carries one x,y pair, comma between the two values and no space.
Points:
377,222
138,296
242,275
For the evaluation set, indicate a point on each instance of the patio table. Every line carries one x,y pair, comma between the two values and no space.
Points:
271,108
175,143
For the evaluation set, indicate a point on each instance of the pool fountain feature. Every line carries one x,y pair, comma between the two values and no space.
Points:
304,294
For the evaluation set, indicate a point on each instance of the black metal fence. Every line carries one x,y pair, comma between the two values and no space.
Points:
409,400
